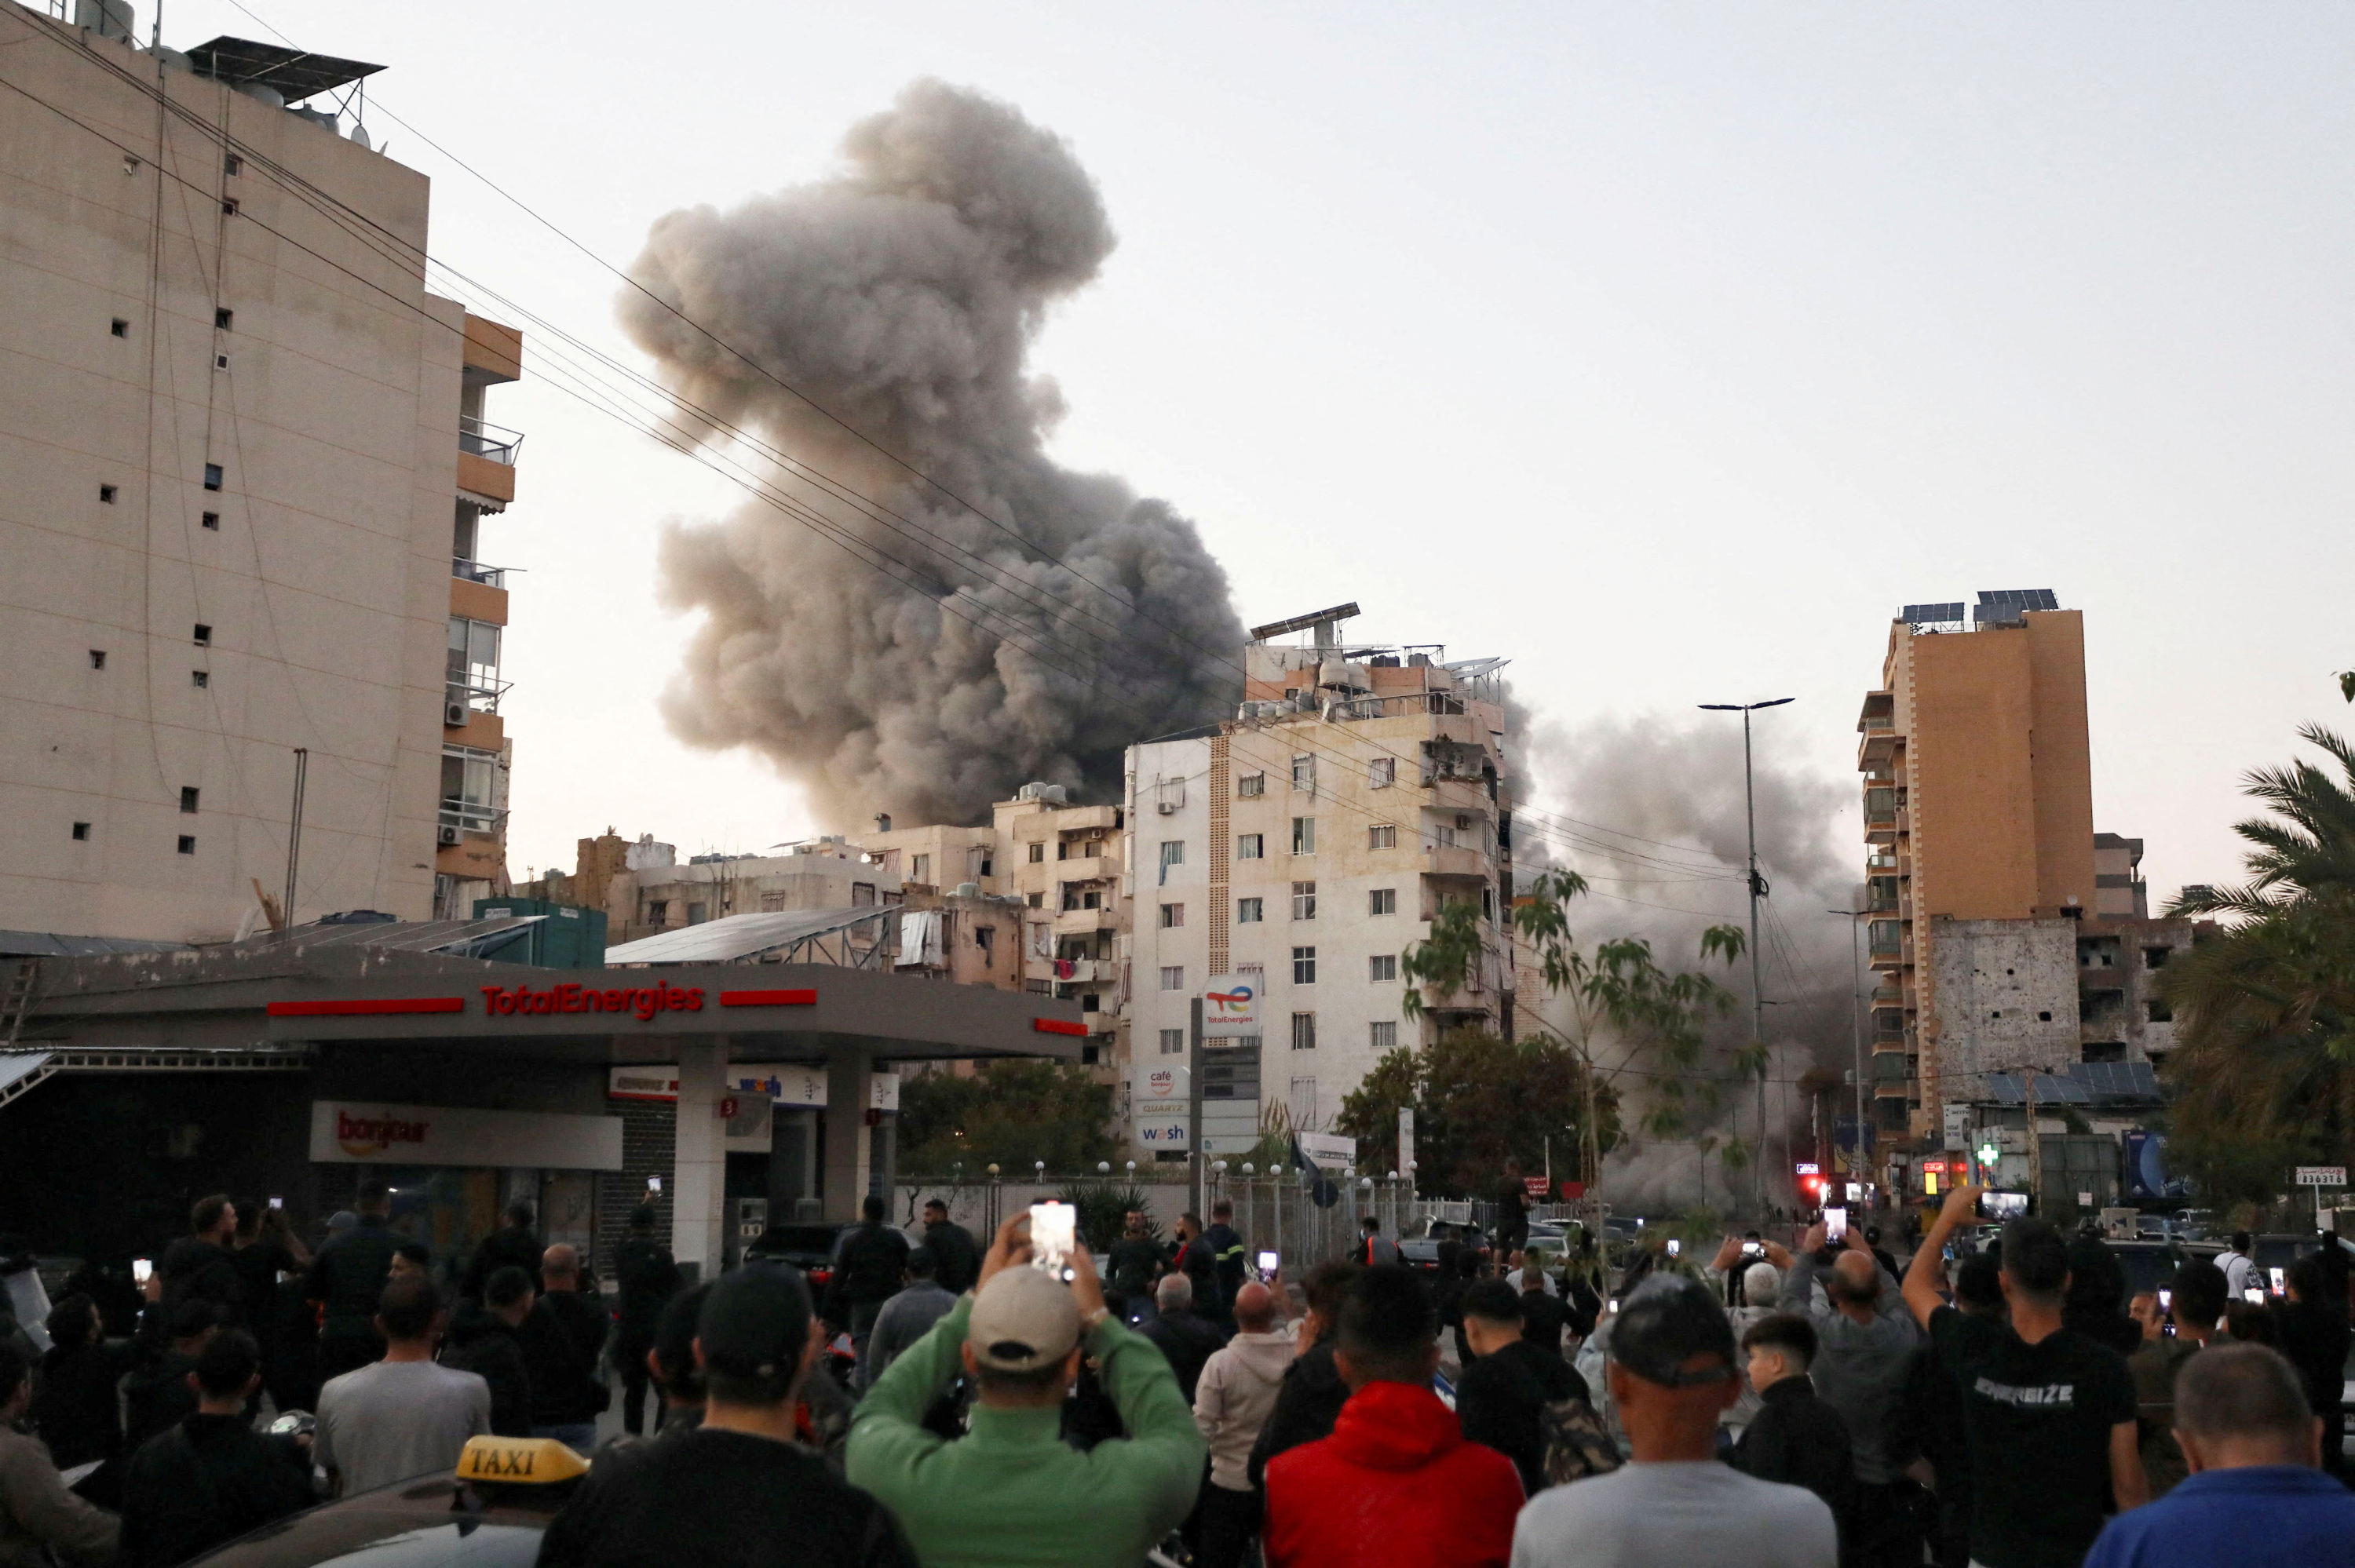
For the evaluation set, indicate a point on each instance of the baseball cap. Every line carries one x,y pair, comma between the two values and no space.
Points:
754,1323
1669,1320
1024,1319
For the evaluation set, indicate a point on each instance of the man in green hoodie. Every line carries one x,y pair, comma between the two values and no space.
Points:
1011,1493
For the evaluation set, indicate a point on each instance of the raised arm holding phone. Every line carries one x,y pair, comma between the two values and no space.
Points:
2051,1413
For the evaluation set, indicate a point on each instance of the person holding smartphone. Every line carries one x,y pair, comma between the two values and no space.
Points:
1011,1490
2051,1413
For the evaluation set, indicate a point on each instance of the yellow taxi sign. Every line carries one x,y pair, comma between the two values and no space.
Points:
519,1461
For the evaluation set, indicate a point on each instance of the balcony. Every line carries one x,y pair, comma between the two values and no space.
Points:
1454,794
1080,922
486,460
1088,868
1454,861
469,571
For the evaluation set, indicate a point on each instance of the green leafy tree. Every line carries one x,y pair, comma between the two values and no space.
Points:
1631,1022
2264,1059
1011,1114
1479,1101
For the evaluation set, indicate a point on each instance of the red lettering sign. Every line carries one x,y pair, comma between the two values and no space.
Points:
1057,1026
641,1002
371,1135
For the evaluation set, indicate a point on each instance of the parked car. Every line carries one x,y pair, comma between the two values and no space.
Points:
808,1247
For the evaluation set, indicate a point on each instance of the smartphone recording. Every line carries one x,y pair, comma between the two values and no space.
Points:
1267,1262
1054,1232
1835,1225
2000,1205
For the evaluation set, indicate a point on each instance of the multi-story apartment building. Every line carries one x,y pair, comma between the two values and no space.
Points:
1301,848
1979,818
242,469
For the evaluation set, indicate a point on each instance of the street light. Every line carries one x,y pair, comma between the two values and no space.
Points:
1855,1022
1757,891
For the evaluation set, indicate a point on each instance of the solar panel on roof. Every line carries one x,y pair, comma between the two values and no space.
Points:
2018,599
1932,614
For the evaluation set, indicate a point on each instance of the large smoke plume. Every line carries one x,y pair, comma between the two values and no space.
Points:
900,298
1681,784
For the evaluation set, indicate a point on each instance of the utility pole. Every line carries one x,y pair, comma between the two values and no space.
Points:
1856,1021
1757,892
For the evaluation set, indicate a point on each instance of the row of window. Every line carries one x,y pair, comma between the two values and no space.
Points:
1381,1036
1253,911
1379,967
1381,774
1253,846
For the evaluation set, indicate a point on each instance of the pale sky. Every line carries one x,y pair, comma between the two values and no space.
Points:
1667,350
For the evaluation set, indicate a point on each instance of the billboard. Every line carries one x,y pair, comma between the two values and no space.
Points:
1231,1007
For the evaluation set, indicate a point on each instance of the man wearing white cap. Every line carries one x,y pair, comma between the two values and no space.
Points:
1011,1491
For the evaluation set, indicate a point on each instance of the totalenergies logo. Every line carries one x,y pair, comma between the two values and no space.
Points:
363,1136
641,1001
1231,1003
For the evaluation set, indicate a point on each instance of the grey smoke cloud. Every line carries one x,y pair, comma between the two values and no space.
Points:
902,296
1680,783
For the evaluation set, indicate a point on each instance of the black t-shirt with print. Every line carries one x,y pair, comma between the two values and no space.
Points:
2039,1418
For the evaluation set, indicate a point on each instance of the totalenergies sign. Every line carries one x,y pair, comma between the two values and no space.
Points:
641,1001
1230,1006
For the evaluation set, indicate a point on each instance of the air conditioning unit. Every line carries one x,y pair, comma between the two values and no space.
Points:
453,715
449,836
1095,835
1167,808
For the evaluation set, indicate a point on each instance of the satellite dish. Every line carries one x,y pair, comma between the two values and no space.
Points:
361,136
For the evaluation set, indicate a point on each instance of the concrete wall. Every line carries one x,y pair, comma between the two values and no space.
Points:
2008,992
325,582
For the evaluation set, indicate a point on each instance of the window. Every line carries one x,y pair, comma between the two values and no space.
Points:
221,362
1383,773
986,938
468,775
1304,1032
473,661
1382,835
1037,901
212,521
1304,835
97,658
2159,1013
862,895
203,635
1304,966
1173,1043
1382,967
1173,977
229,207
657,911
213,476
1248,911
200,679
1442,836
1173,852
1251,784
2154,958
1037,853
1304,773
1304,901
1250,846
106,494
1382,901
919,868
1383,1037
187,844
119,327
1172,916
772,903
222,318
1303,1097
81,831
696,914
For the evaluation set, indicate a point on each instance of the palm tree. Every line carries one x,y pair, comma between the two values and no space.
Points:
2264,1064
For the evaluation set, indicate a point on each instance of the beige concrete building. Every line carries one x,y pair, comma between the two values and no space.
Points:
240,455
1301,849
1978,809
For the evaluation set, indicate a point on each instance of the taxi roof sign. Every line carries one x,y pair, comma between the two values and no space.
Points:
519,1461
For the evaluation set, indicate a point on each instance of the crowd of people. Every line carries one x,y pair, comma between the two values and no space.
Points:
2004,1405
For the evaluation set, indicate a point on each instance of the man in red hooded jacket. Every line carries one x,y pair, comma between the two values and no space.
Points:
1396,1484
